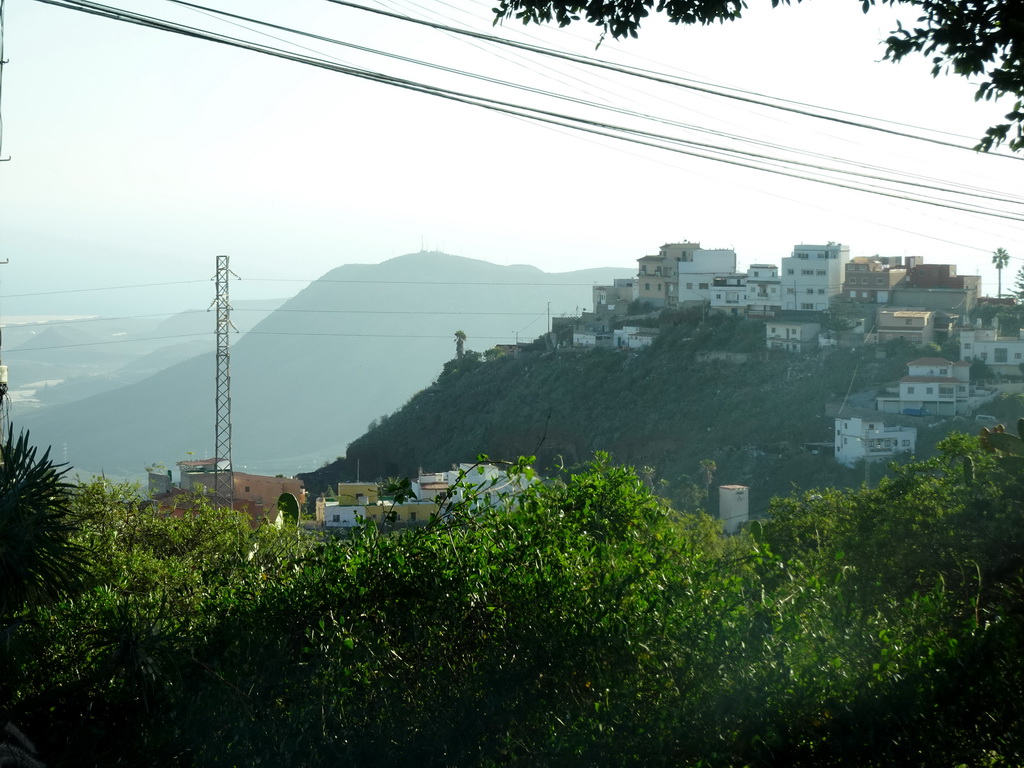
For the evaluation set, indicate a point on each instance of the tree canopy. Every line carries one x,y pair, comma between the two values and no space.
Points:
980,38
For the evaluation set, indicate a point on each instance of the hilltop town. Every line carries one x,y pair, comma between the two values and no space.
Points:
951,360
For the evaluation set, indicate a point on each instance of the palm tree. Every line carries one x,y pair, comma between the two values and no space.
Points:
1000,258
708,467
38,560
460,341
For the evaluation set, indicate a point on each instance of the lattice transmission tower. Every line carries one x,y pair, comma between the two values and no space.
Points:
223,478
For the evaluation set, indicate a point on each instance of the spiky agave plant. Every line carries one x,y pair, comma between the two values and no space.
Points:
38,559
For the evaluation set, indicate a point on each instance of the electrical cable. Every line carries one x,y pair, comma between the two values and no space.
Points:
542,116
973,191
677,82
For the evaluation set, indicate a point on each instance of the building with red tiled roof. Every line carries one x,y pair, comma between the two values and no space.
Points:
935,386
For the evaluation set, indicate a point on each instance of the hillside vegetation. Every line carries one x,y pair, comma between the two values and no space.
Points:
660,408
580,623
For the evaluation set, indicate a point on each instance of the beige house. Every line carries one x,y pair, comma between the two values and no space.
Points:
916,325
657,279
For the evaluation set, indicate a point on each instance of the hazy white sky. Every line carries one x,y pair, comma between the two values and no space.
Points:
138,155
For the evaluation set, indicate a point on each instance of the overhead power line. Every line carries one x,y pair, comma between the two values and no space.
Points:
919,183
604,129
721,91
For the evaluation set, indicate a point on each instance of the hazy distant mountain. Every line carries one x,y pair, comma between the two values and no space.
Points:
354,345
92,355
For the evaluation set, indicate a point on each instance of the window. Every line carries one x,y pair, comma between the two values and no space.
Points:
247,489
806,271
789,271
945,391
967,345
790,290
647,286
906,443
821,291
879,280
943,371
910,390
810,290
819,271
412,516
336,519
689,286
929,390
908,321
718,295
659,287
806,306
1000,355
703,286
773,330
864,281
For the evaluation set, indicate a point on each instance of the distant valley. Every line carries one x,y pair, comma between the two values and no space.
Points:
307,374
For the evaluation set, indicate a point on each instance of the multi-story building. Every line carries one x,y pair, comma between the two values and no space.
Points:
1003,354
933,386
916,325
872,280
938,287
857,439
764,297
697,273
614,298
812,276
729,294
755,294
657,280
681,273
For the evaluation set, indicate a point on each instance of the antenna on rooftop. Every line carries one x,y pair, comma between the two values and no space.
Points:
223,473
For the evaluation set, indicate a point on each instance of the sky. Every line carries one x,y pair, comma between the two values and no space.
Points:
137,155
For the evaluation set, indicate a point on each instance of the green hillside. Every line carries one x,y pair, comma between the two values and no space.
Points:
664,408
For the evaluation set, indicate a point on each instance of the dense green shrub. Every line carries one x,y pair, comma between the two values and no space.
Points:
581,622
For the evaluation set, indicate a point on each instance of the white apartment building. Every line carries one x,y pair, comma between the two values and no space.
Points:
729,294
754,294
857,439
764,295
934,386
813,275
697,273
1003,354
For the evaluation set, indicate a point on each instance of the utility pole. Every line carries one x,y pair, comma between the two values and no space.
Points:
223,478
4,404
